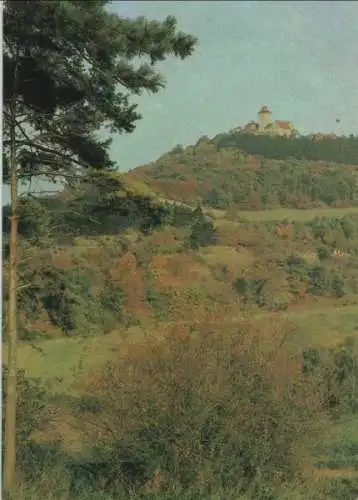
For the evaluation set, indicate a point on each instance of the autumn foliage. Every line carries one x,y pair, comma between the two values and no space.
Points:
206,407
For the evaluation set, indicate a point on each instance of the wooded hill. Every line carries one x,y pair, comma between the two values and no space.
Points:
258,172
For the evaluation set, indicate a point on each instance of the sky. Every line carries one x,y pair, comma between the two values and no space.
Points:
299,58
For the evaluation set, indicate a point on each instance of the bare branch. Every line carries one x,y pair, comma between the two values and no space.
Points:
27,285
32,143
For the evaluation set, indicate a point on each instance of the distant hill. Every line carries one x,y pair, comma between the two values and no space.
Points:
257,172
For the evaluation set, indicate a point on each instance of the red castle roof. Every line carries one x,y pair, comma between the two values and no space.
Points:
283,124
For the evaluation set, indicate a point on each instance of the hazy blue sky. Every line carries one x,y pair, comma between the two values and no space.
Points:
299,58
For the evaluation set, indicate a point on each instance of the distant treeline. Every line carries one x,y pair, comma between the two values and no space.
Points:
335,149
288,184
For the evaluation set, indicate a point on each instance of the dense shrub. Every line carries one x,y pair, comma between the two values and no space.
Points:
202,412
112,299
30,414
336,370
323,253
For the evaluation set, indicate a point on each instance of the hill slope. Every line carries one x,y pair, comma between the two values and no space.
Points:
121,256
223,175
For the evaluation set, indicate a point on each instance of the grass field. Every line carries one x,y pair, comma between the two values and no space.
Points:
289,213
64,359
325,326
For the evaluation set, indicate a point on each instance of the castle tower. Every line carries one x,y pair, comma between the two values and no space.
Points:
264,117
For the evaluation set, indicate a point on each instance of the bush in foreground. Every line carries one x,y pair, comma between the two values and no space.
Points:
203,412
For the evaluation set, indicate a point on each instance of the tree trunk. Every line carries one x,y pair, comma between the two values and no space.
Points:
11,382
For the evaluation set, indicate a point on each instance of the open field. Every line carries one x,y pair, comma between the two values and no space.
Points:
64,359
325,326
288,213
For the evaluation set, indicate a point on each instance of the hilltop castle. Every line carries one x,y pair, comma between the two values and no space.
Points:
265,125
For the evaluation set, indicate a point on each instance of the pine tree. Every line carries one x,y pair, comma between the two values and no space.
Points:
203,232
68,71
